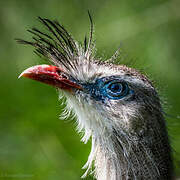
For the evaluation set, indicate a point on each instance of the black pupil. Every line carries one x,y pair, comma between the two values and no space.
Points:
115,88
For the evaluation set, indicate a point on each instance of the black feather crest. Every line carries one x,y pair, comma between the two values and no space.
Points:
58,45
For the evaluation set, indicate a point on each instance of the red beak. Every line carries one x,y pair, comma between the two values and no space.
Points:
51,75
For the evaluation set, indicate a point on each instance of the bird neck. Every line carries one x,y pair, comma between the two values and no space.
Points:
141,151
119,156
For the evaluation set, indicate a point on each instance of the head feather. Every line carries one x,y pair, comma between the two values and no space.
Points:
59,46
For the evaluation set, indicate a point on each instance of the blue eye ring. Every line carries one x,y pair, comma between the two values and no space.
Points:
115,89
108,88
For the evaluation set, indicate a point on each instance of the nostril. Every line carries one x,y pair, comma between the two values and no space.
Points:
63,75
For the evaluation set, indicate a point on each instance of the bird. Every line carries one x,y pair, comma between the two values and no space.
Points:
117,107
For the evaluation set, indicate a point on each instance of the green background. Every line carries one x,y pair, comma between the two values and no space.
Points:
34,143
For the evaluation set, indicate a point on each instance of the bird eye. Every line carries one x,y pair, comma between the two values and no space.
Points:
116,90
115,87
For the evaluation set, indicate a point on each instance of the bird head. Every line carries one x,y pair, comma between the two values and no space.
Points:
109,100
99,92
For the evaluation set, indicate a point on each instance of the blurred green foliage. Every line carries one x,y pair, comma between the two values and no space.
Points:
34,143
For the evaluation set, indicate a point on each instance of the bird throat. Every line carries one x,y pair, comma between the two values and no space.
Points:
120,157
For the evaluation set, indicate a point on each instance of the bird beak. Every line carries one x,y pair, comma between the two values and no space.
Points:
51,75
